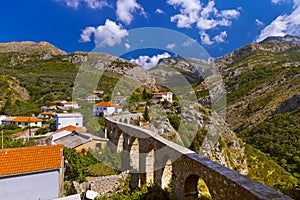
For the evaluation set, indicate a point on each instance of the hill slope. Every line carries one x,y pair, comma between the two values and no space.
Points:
262,81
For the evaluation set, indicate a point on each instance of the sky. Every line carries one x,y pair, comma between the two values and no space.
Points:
217,26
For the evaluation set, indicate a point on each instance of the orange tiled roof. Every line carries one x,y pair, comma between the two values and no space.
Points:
58,101
30,159
107,104
70,128
18,134
98,91
47,113
26,119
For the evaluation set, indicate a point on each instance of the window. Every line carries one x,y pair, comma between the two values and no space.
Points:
77,124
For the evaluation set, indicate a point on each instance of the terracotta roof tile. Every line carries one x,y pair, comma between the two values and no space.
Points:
26,119
107,104
30,159
18,134
70,128
48,113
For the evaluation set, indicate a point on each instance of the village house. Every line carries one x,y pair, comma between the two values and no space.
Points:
23,121
31,172
66,119
120,99
162,96
92,98
59,102
99,92
105,109
77,138
48,108
70,104
47,114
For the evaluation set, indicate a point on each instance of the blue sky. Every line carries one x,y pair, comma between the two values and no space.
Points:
79,25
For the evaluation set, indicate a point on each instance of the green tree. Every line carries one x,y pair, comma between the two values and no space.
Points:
146,114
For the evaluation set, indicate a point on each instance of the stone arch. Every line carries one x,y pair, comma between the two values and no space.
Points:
126,121
196,188
120,120
167,172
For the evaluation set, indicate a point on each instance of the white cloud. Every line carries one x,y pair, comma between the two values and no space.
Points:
277,1
189,42
127,46
258,22
108,34
125,9
171,46
205,38
159,11
93,4
283,24
205,17
149,62
221,37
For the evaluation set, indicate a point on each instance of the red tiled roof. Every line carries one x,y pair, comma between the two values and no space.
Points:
98,91
47,113
26,119
18,134
70,128
30,159
107,104
58,101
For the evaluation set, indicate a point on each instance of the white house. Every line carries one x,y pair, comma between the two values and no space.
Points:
70,104
106,108
66,119
31,172
161,96
92,98
99,92
23,121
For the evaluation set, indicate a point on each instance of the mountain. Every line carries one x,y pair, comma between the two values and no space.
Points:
262,83
30,48
287,38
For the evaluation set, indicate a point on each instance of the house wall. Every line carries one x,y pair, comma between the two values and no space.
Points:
92,144
66,121
71,105
25,124
105,110
42,186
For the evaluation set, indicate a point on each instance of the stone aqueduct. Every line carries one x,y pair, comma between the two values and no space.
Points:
155,159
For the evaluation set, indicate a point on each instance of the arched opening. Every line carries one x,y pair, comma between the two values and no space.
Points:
120,120
125,121
167,175
195,188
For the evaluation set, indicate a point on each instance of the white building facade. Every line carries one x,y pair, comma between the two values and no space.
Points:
66,119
